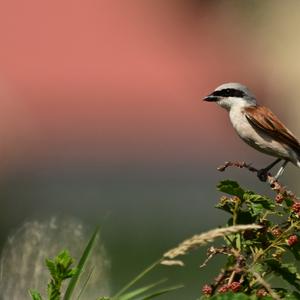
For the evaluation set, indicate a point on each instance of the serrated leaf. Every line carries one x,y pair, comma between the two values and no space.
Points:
231,187
51,267
287,271
256,209
63,260
257,203
35,295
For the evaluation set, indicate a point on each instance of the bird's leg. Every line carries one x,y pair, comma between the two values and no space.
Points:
262,174
280,171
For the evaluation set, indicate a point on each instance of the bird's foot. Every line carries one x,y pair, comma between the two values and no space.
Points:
262,174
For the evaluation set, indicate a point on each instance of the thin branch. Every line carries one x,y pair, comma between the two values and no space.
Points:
274,183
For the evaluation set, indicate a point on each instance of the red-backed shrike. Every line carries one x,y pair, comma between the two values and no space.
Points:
257,126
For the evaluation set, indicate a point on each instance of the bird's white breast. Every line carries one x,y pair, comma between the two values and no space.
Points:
257,138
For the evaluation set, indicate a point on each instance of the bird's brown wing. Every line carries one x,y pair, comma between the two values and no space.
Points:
262,118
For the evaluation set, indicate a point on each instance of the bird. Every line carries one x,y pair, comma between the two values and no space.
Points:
258,126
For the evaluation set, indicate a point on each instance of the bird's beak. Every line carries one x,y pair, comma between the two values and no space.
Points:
211,98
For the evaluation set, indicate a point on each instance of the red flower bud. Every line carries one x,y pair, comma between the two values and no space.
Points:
296,208
292,240
223,289
235,286
261,293
279,198
207,289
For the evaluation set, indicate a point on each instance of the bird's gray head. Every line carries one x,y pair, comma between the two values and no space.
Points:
232,94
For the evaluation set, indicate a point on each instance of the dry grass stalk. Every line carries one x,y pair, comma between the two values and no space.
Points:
201,239
266,286
167,262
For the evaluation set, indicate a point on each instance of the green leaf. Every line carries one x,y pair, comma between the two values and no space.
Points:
51,267
258,204
231,187
293,296
226,205
53,290
287,271
63,260
296,251
86,253
244,217
35,295
232,296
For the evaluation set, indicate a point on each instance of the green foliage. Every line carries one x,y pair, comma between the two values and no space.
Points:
243,296
255,256
35,295
60,270
82,262
145,292
237,296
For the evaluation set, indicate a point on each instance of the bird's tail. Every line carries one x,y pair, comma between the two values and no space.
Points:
298,161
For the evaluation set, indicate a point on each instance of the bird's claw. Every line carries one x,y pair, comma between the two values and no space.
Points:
262,174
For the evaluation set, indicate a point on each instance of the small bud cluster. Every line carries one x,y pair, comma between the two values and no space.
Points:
207,290
234,287
276,232
296,208
279,198
292,240
261,293
223,289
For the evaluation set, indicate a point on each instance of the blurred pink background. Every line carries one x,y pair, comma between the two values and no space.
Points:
117,81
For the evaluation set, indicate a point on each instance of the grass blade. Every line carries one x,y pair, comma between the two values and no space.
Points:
87,251
135,280
161,292
139,291
85,283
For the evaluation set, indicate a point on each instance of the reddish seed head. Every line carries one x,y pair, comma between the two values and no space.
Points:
235,286
292,240
261,293
223,289
276,232
207,289
279,198
296,207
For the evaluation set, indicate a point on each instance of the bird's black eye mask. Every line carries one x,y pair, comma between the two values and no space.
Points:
228,93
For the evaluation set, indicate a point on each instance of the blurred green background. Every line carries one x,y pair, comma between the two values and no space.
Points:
101,117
